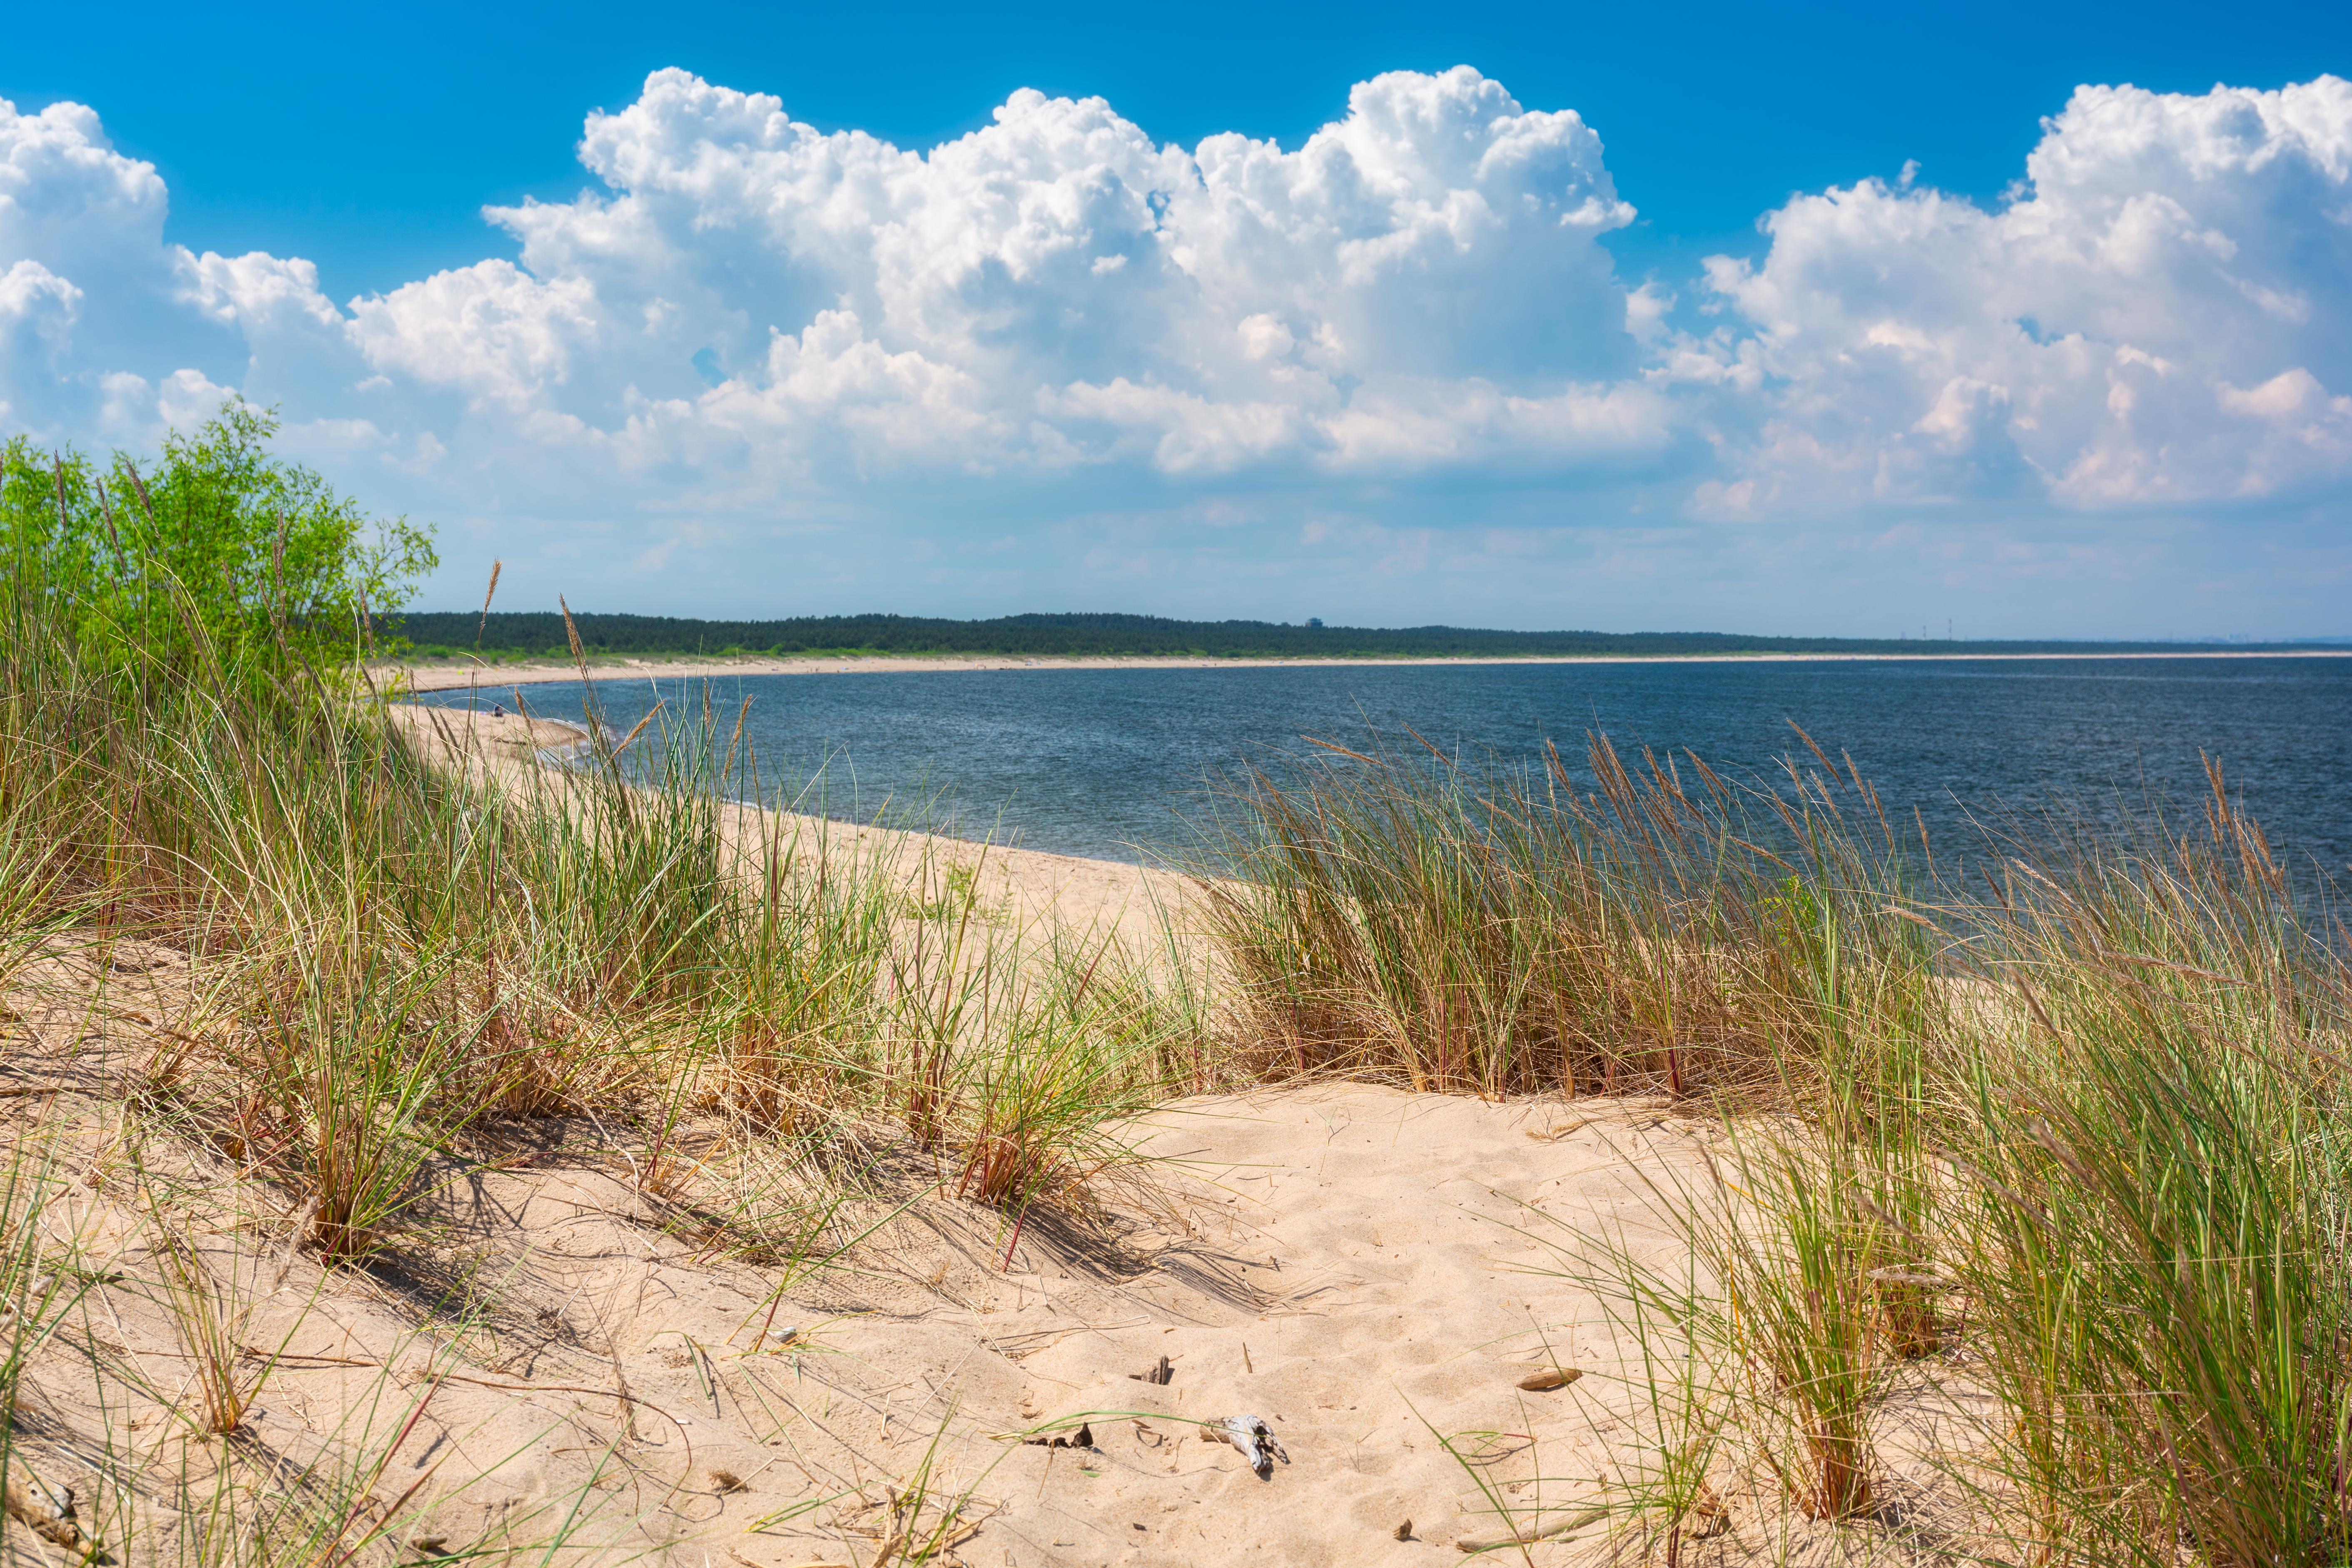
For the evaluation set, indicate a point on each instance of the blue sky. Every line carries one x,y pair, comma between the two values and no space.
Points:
371,149
1562,377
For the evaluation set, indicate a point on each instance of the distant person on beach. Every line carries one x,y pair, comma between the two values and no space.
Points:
497,711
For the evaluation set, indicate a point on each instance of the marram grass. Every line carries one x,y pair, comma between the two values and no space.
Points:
2069,1126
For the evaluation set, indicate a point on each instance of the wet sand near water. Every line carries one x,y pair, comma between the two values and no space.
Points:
1012,888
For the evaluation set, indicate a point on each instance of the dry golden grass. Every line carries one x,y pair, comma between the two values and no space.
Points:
2056,1123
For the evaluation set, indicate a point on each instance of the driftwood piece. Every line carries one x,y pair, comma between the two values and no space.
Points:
47,1514
1255,1439
1162,1375
1918,1278
1528,1537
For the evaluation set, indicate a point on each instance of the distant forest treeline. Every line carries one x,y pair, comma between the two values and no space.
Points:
529,633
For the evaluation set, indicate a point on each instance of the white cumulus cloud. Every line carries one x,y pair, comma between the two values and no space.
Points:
1052,290
2160,313
744,323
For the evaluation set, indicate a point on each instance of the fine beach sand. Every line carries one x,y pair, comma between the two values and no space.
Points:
1371,1272
491,679
1028,888
1345,1262
1024,889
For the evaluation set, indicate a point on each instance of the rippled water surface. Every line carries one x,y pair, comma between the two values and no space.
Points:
1110,762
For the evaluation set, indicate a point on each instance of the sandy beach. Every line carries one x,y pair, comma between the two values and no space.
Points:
1026,890
1369,1272
449,676
1397,1287
1375,1075
1361,1269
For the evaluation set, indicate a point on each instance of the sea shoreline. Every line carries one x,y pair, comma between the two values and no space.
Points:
455,676
1081,893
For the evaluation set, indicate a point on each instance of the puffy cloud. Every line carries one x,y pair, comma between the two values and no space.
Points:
490,329
67,194
2161,314
1051,290
1420,284
746,324
37,308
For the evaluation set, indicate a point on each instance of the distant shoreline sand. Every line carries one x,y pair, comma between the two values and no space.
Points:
456,674
1081,893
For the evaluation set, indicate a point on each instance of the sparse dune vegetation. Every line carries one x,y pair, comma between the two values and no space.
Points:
419,1151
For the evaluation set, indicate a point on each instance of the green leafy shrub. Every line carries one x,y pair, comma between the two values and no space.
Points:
219,541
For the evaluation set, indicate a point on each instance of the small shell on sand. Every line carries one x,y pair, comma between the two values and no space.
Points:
1550,1378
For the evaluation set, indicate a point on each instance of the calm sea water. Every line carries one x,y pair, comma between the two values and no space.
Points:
1112,763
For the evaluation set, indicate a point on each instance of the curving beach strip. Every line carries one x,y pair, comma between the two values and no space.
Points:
455,674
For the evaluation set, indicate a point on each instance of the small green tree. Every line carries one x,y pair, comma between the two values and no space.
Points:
266,560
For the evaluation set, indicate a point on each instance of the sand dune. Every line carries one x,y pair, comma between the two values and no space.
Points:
553,1348
1345,1262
